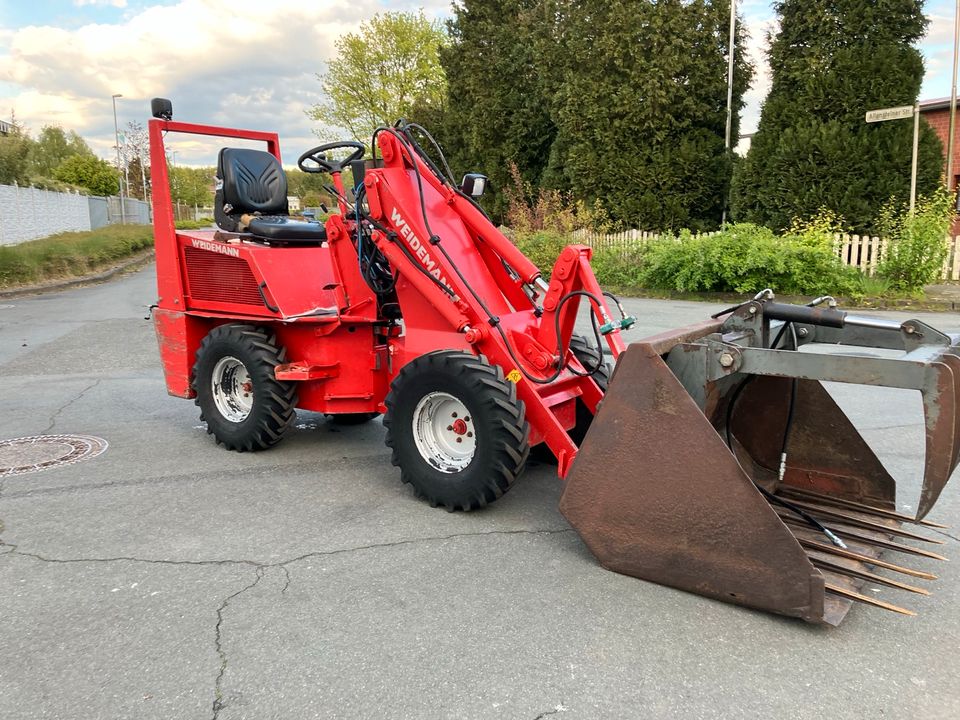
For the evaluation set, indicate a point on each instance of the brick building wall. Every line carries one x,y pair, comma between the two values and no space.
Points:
937,115
939,119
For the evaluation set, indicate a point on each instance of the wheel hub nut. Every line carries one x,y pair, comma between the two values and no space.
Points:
459,427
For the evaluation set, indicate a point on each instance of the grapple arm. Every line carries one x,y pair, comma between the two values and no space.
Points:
742,460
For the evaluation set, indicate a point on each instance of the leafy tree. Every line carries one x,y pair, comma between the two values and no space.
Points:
831,61
380,73
52,146
496,111
137,179
192,186
309,186
640,108
15,156
135,155
96,175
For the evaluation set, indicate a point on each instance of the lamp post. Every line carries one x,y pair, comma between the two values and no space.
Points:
733,37
116,132
953,98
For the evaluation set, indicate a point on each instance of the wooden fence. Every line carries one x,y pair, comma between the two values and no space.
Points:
859,251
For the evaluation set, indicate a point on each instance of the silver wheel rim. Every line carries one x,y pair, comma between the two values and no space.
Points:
232,389
444,432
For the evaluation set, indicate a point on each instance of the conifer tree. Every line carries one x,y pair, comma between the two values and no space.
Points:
831,62
641,108
495,111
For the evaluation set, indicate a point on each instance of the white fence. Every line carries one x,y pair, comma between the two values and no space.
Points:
859,251
864,252
28,213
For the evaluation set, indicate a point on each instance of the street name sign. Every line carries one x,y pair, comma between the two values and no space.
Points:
894,113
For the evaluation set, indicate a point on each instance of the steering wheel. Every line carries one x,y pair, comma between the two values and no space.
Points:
319,163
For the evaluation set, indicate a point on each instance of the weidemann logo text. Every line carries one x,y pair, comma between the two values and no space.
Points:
216,247
417,246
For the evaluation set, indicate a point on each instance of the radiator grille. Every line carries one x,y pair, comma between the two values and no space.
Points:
220,278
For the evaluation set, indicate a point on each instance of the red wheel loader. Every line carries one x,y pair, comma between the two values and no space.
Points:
714,462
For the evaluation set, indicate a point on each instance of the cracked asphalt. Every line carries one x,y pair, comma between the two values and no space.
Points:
169,578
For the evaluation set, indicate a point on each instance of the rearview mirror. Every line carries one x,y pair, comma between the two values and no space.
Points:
161,108
473,184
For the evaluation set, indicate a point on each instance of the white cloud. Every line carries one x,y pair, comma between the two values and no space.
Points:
252,64
937,48
235,62
938,57
756,49
939,30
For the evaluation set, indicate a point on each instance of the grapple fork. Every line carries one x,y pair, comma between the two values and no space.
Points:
745,481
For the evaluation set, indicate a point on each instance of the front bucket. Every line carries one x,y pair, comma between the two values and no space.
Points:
680,479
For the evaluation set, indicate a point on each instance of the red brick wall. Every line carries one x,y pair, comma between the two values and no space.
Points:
939,120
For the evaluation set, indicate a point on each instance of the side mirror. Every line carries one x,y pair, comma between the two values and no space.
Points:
161,108
473,184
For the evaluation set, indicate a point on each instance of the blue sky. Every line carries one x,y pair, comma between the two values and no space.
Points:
249,63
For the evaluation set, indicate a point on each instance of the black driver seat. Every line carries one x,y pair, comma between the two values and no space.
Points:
252,182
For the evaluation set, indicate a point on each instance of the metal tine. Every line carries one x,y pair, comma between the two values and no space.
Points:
791,519
853,505
851,595
848,519
851,555
864,575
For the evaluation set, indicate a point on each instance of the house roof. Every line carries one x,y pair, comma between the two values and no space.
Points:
935,104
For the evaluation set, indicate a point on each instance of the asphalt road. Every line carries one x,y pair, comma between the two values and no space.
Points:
168,578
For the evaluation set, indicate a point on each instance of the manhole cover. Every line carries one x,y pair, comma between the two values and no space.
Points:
41,452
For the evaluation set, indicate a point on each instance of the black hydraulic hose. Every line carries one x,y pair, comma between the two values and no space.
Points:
616,301
446,165
596,332
436,146
812,521
560,352
408,146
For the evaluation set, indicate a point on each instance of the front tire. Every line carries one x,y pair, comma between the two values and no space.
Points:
457,430
244,405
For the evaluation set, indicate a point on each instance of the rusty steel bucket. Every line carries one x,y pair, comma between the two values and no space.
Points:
719,464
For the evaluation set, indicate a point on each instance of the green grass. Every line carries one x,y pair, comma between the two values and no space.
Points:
201,224
70,255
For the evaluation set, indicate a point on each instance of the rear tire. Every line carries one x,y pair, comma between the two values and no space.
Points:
244,405
457,430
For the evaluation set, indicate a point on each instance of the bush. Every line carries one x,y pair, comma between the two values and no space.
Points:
71,254
916,244
542,248
620,267
745,258
549,210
